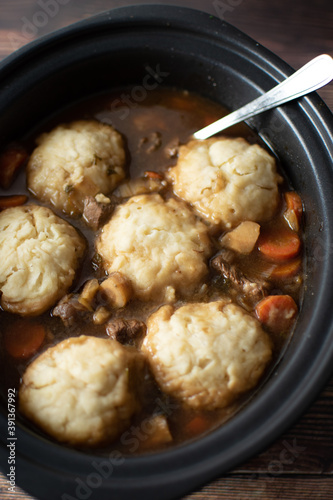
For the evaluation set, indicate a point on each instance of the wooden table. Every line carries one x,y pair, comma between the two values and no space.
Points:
296,31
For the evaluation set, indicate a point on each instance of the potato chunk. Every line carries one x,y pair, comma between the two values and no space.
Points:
158,432
243,238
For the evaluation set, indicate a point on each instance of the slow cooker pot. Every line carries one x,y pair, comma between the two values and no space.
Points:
195,51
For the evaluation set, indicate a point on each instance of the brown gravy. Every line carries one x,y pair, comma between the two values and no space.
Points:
173,115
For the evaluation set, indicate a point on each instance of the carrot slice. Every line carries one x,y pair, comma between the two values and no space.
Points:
153,175
12,201
277,312
24,338
197,425
288,270
294,211
11,160
282,244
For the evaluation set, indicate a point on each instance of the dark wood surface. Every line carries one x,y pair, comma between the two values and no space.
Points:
296,31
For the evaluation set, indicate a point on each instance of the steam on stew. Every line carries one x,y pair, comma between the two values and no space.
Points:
149,282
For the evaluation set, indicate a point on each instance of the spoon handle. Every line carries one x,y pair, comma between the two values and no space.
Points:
315,74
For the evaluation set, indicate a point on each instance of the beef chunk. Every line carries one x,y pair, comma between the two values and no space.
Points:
125,331
70,310
227,255
250,291
96,213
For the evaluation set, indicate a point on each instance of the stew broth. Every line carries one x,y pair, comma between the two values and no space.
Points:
152,130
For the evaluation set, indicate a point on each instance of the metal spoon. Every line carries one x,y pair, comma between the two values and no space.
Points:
314,75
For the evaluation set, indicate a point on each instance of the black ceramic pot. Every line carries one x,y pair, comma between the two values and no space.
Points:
190,50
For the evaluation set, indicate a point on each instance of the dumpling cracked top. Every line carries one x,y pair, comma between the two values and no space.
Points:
75,160
227,180
206,354
39,255
159,245
81,391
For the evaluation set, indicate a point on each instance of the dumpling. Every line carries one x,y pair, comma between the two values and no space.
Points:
76,160
81,391
160,246
227,180
206,354
39,256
